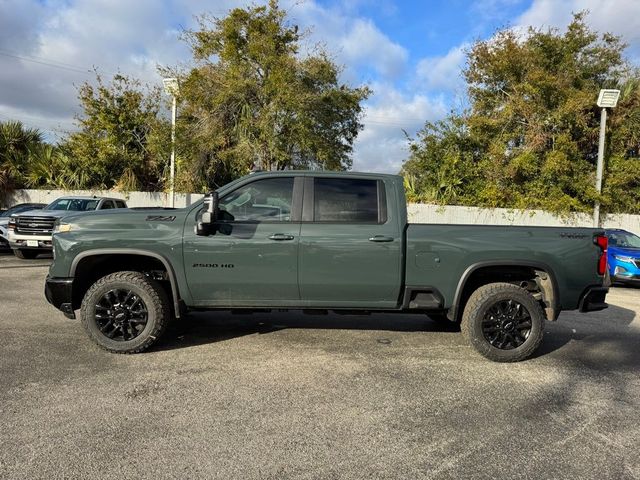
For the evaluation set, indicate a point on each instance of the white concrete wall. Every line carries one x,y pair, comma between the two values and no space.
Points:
424,213
133,199
418,212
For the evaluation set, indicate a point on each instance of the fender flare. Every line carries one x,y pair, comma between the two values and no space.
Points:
134,251
554,302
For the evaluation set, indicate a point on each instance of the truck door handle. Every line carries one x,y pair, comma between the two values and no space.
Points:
280,237
381,238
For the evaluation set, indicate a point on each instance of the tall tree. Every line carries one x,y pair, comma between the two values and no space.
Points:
530,136
254,100
122,141
442,163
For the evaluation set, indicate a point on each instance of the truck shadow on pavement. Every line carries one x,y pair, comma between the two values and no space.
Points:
589,327
199,328
9,253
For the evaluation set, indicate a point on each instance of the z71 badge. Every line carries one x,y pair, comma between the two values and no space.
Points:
160,218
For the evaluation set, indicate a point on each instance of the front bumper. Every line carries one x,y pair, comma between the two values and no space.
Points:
632,279
39,242
593,299
59,293
625,272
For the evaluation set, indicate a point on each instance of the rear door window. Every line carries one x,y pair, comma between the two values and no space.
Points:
346,200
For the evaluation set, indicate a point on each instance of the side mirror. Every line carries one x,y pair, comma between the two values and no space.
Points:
209,214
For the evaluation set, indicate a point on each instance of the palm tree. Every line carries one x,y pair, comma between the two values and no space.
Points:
16,143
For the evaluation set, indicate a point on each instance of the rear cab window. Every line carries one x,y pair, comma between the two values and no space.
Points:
348,200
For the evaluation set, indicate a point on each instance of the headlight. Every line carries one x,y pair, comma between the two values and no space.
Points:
61,228
622,258
12,224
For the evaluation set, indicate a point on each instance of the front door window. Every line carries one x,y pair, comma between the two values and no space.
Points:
266,200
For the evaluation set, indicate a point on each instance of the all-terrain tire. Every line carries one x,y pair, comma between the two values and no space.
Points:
26,254
152,294
477,307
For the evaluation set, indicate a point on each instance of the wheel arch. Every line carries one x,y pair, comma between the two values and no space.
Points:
111,253
548,285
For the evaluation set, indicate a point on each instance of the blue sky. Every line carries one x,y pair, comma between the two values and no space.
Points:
410,53
429,28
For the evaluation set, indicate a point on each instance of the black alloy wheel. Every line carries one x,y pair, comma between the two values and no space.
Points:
121,315
503,322
506,325
126,312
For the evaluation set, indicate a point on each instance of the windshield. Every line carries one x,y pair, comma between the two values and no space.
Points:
74,204
624,240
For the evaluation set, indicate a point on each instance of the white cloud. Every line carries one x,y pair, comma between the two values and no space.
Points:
135,36
382,145
366,45
20,21
355,42
115,35
620,17
442,73
488,9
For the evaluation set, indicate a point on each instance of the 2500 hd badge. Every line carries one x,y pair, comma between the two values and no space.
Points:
213,265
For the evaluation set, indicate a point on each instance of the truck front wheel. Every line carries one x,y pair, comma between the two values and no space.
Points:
125,312
503,322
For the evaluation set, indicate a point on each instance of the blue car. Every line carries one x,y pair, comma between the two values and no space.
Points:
623,256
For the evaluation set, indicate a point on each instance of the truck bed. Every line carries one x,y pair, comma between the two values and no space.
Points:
443,255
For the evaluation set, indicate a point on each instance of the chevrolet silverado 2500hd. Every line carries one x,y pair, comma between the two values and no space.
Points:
325,241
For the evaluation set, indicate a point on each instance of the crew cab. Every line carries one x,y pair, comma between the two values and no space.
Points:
320,241
30,232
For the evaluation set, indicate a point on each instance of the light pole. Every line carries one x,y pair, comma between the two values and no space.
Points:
172,87
606,99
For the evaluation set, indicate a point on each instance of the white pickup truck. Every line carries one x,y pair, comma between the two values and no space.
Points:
30,232
4,220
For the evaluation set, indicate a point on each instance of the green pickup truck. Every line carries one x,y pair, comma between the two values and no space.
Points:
319,241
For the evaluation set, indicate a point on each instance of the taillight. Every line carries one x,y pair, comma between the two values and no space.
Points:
603,243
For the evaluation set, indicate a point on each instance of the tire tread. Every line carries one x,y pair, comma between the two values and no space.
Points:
472,308
160,303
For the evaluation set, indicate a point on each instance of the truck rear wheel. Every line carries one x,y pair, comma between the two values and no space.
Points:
503,322
26,254
125,312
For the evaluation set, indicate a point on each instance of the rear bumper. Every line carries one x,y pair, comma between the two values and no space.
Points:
59,293
594,299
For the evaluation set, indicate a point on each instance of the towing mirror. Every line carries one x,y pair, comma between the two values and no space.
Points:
209,214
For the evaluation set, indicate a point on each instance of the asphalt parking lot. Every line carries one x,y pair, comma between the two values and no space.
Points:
288,395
